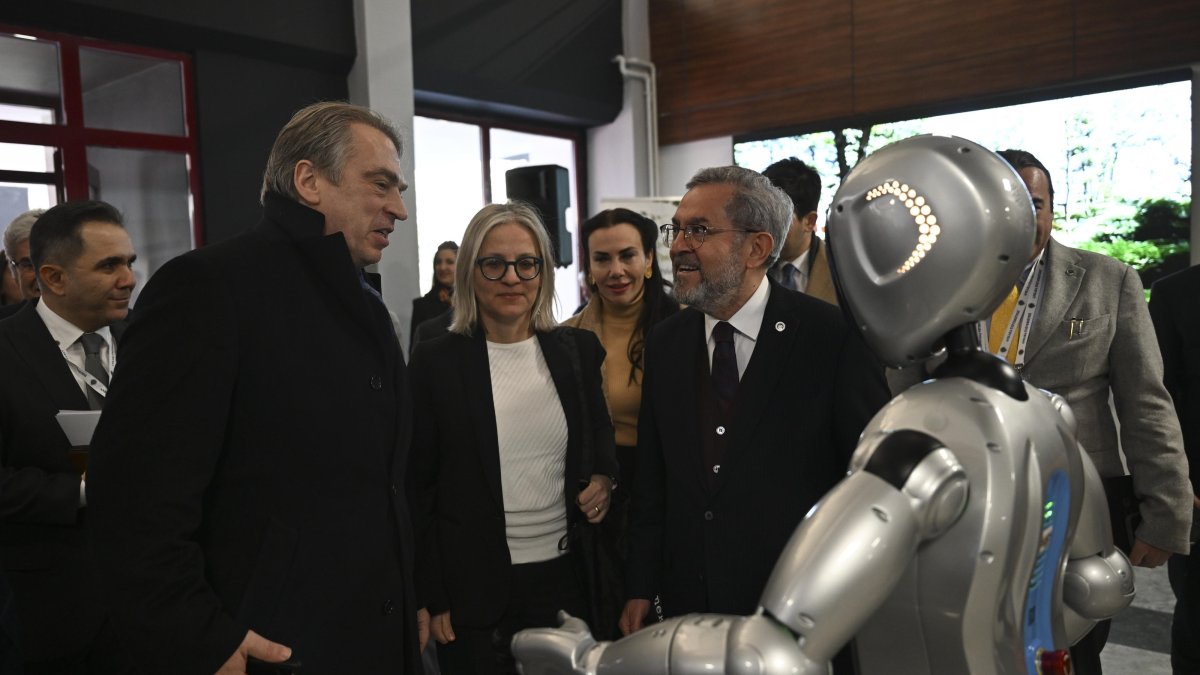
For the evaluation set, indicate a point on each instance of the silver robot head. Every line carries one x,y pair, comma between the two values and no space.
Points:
925,235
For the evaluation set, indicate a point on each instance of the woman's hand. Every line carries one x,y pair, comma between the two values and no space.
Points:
595,499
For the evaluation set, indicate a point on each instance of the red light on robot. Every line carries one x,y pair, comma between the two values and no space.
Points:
1056,662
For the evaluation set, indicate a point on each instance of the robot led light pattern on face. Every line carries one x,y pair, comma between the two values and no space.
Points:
971,532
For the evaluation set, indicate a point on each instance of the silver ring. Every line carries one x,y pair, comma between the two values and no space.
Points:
597,509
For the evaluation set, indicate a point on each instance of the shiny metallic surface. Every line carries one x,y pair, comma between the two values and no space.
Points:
984,235
842,562
555,651
1097,587
757,646
939,489
946,615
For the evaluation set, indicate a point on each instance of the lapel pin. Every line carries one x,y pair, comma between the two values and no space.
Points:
779,326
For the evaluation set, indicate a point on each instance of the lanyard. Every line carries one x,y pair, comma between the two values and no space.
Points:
89,379
1022,315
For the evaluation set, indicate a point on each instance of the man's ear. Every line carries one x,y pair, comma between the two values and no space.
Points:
52,279
761,245
304,179
809,221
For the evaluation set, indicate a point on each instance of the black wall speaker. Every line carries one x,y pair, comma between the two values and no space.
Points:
546,188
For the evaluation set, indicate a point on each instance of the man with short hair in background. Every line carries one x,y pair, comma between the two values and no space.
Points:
1083,331
59,353
248,478
16,249
802,264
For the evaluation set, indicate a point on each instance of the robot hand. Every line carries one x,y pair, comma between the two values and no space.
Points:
555,651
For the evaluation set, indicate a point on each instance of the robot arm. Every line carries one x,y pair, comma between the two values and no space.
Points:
852,549
839,566
1098,581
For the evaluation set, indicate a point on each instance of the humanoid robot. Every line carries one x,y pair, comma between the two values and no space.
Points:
971,532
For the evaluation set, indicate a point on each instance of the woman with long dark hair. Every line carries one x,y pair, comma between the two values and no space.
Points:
628,296
437,301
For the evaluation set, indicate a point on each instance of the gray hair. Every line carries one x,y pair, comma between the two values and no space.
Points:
756,204
18,230
320,133
466,308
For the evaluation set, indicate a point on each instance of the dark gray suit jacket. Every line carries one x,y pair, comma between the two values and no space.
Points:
42,544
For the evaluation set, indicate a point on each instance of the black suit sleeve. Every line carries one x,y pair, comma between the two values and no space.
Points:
648,513
860,390
1163,305
153,459
33,494
423,486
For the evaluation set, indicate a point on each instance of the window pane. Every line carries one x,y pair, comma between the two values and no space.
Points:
129,92
29,84
151,190
511,149
19,157
449,177
17,198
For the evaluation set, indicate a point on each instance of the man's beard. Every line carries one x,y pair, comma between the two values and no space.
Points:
714,290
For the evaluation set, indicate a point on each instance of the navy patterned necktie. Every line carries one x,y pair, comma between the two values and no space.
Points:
790,276
94,367
724,363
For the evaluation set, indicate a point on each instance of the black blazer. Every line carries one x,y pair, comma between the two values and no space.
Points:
248,470
463,560
42,540
1175,310
424,308
809,390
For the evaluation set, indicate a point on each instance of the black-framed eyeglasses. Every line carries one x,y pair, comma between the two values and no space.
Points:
695,235
22,264
494,267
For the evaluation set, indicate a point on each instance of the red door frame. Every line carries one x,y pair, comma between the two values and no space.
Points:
72,138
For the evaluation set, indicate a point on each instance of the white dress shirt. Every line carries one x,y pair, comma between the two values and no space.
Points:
746,322
801,265
66,335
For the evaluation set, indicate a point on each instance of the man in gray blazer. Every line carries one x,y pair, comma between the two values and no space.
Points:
1091,335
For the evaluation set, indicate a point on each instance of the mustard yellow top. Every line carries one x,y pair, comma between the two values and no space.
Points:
614,325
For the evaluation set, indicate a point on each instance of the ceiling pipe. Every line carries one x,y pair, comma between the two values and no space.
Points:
648,75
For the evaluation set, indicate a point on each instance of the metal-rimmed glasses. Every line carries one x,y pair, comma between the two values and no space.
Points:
695,235
22,264
494,267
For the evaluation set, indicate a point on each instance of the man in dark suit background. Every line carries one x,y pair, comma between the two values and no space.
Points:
247,478
802,264
57,354
1175,310
752,403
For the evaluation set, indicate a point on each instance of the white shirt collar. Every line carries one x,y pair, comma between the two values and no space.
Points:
64,332
749,317
798,263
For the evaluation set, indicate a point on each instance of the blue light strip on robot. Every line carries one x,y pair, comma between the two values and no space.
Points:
1039,602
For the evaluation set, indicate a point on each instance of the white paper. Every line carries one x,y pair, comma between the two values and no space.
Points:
78,425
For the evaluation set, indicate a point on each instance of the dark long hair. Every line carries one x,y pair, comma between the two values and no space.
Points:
444,246
657,304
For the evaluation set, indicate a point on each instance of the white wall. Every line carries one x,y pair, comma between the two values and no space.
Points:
679,162
617,152
382,79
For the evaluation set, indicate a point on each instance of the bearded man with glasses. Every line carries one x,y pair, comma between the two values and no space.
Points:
753,400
